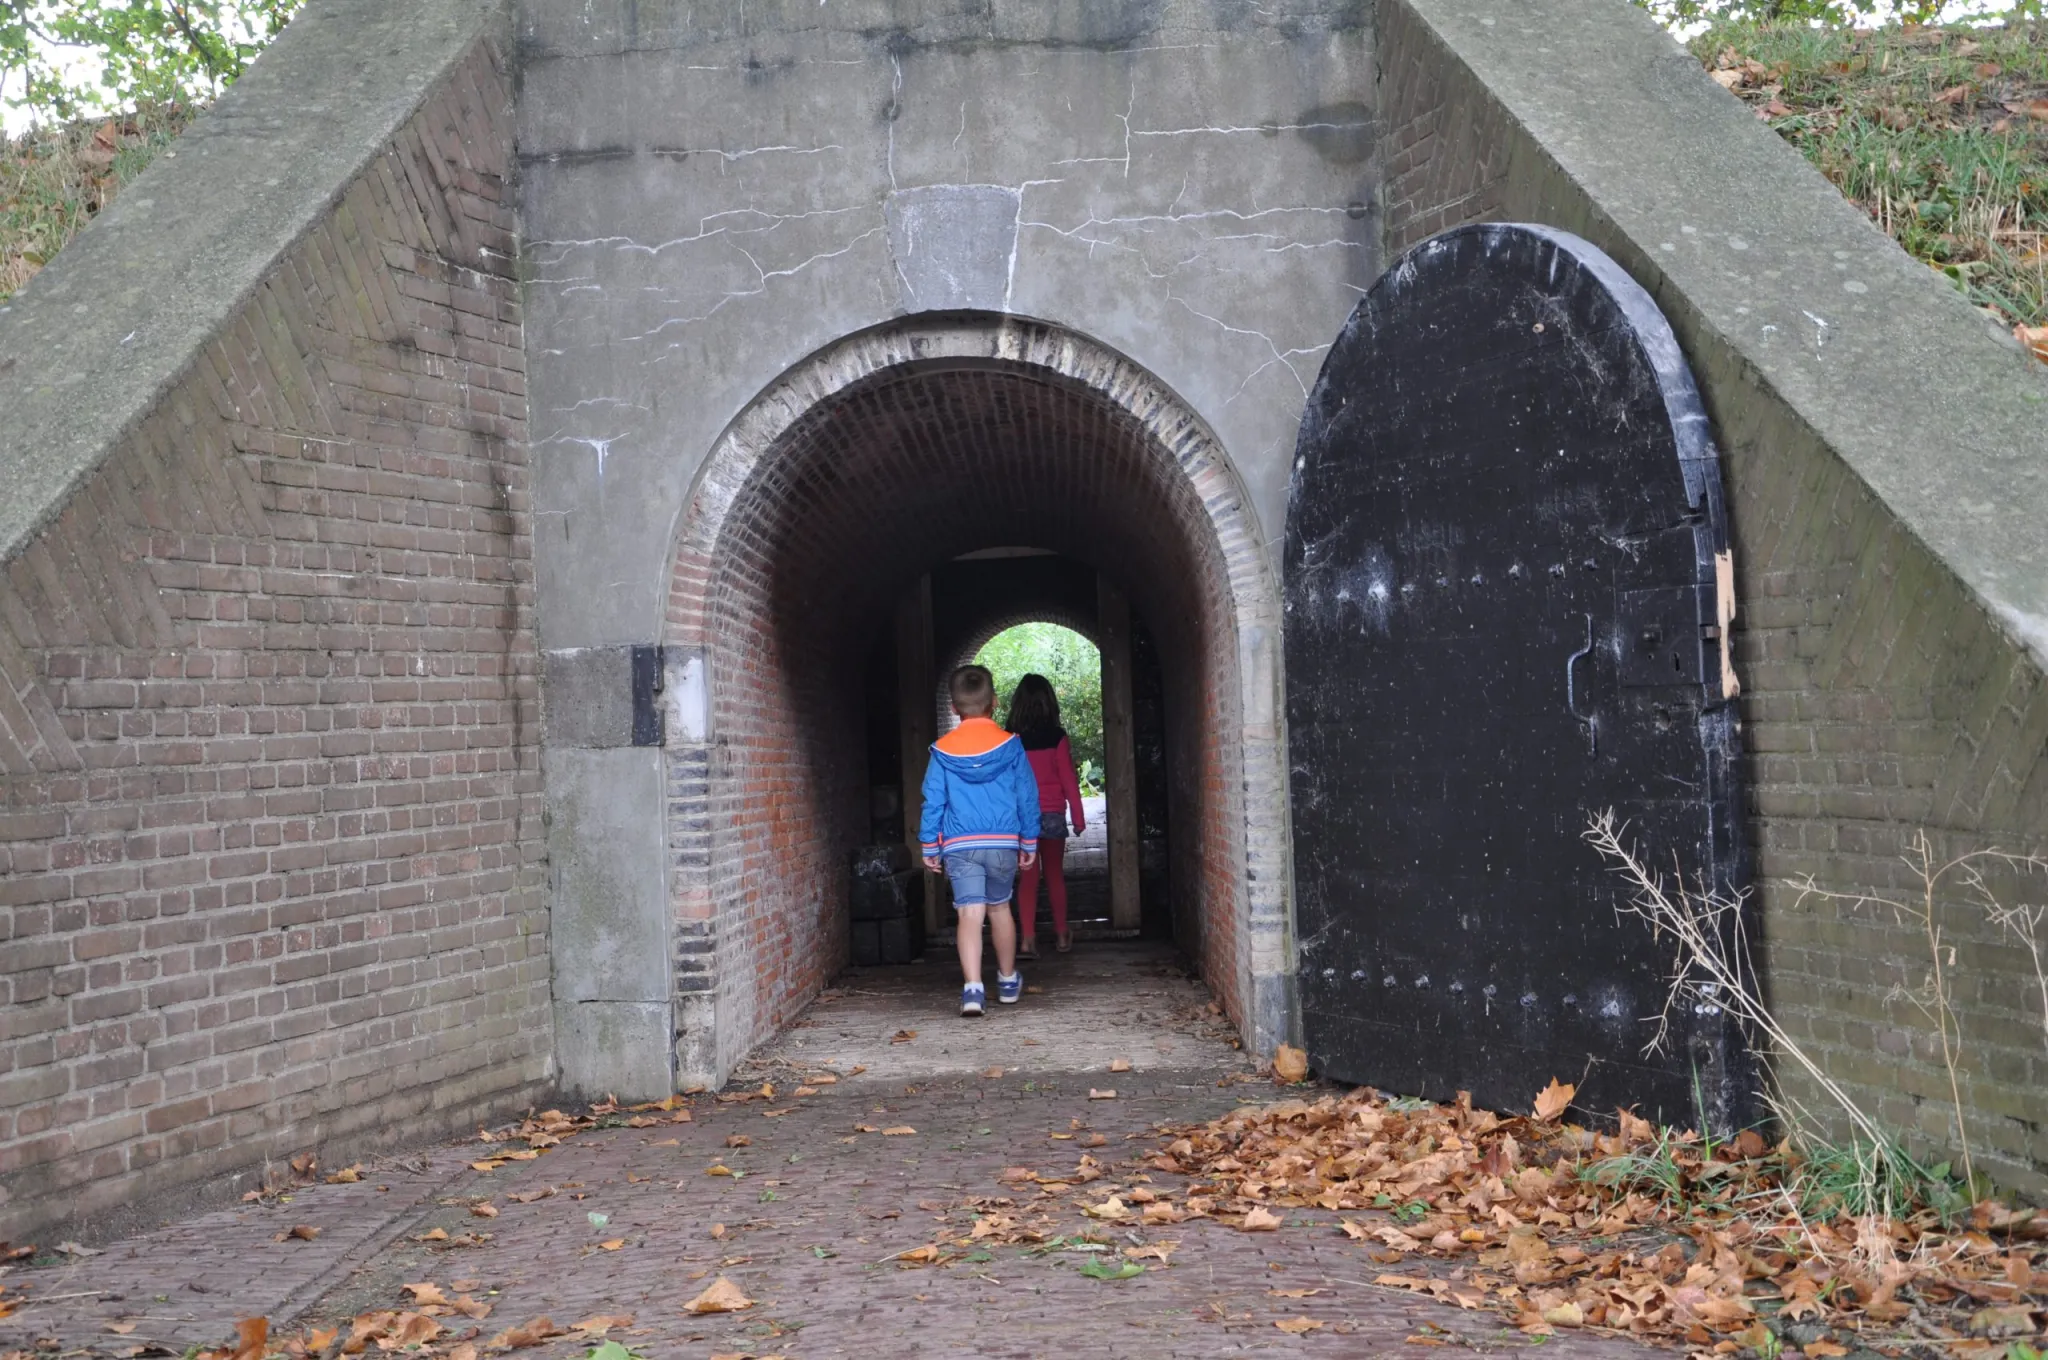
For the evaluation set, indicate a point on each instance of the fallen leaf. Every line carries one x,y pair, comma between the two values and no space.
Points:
1156,1251
1120,1065
531,1333
251,1336
902,1036
738,1140
921,1256
717,1231
1566,1314
806,1091
1290,1064
484,1210
121,1328
1296,1293
1824,1350
1094,1094
899,1131
1297,1326
1260,1219
299,1232
2034,339
433,1235
722,1296
602,1323
424,1294
348,1175
1553,1099
612,1245
993,1072
2015,1319
529,1196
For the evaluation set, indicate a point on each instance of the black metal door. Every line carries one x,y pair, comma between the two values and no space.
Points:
1502,617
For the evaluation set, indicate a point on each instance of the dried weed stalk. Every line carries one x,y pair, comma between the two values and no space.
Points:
1964,878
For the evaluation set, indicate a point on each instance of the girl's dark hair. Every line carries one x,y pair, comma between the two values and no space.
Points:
1035,712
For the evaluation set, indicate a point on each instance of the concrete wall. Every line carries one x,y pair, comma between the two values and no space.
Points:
269,737
1884,447
715,192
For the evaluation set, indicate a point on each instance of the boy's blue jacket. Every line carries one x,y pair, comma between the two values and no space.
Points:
979,793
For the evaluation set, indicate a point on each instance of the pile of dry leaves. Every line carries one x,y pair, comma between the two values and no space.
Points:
1657,1233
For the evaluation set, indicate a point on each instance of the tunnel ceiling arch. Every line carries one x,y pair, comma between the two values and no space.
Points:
881,457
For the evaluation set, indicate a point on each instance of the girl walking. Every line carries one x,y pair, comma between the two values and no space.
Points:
1035,717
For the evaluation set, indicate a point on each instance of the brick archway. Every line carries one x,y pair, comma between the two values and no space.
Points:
877,457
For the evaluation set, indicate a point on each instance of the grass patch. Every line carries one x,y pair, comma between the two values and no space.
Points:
1939,134
55,180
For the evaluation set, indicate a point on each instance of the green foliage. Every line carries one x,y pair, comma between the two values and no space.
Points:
1682,14
1067,659
612,1350
145,52
54,180
1095,1268
1932,132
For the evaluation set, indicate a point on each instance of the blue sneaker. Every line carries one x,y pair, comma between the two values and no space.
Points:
1008,989
971,998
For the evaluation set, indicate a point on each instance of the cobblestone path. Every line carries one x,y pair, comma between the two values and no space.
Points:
821,1204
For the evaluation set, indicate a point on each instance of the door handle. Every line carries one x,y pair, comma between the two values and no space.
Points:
1571,694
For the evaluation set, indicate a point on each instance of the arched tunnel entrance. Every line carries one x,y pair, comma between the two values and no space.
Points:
828,518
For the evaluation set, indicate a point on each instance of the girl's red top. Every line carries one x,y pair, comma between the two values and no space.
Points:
1057,786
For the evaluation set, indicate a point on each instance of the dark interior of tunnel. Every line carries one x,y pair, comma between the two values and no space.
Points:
871,500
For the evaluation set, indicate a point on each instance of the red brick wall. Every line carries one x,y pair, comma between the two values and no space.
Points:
269,778
789,574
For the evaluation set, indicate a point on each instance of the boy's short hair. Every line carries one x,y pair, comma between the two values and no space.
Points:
974,692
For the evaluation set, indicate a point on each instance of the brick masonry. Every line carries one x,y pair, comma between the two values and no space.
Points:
835,490
269,777
1880,696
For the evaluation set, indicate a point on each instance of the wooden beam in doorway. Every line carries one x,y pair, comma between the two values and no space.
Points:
1119,754
916,718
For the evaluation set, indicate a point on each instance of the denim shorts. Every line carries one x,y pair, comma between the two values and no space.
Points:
981,878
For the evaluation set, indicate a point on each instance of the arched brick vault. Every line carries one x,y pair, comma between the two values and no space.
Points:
881,456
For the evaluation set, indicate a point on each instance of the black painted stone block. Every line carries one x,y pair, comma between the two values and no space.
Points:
867,943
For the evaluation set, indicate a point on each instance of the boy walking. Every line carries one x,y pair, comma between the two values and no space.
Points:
980,825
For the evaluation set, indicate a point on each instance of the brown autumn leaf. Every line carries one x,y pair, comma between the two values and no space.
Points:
297,1232
1297,1326
718,1169
1553,1100
1094,1094
252,1335
612,1244
918,1256
469,1307
532,1333
903,1036
806,1091
529,1196
602,1323
1290,1064
993,1072
2034,339
1260,1219
1119,1064
738,1140
1824,1350
485,1210
1154,1251
348,1175
1296,1293
433,1235
122,1328
721,1296
898,1132
717,1232
425,1293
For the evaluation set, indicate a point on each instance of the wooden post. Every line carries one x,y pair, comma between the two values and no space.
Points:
1119,755
916,719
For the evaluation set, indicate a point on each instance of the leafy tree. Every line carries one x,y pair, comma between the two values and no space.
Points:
64,59
1067,659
